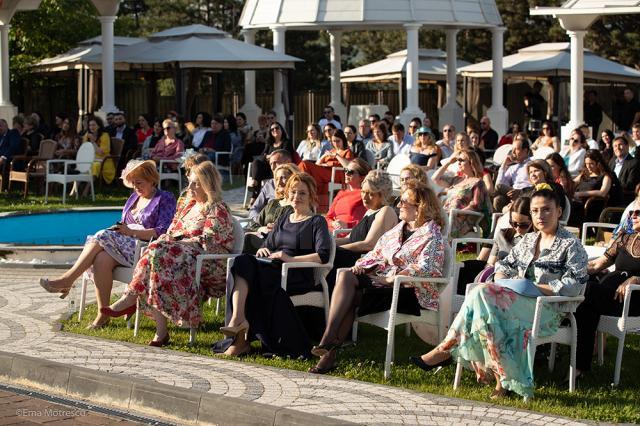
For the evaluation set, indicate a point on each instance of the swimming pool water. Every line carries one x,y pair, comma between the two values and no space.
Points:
60,228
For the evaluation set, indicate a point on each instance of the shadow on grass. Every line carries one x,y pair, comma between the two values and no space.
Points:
594,399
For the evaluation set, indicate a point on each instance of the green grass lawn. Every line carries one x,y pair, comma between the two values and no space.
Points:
595,399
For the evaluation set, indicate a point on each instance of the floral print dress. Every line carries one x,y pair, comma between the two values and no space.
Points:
164,277
466,193
492,330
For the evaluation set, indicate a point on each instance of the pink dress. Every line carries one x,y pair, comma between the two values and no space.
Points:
164,277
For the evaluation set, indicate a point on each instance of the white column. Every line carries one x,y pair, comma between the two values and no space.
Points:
335,56
278,84
413,58
577,77
250,108
498,114
7,109
108,75
451,112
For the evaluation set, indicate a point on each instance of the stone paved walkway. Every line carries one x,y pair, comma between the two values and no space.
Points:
27,312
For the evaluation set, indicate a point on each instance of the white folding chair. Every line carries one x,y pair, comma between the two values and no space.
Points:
246,187
333,185
83,165
217,157
542,153
501,154
594,251
168,174
566,335
389,319
477,232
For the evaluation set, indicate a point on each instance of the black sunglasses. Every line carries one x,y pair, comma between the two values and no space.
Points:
524,225
634,213
350,172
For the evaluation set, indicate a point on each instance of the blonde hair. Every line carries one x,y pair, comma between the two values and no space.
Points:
146,171
380,181
474,159
428,204
308,180
210,181
290,169
168,123
192,160
430,140
417,172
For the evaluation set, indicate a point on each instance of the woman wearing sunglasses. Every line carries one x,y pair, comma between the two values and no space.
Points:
347,208
260,169
607,293
465,191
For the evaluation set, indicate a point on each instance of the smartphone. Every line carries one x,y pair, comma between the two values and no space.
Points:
115,226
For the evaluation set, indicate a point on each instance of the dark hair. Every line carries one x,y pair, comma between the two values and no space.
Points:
271,140
242,115
148,118
418,120
352,127
231,122
522,205
398,127
62,115
550,125
595,156
100,124
363,168
206,118
286,154
380,125
544,166
340,135
583,139
376,116
547,194
218,119
329,125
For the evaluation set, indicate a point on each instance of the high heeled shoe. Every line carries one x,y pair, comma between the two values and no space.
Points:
418,362
106,310
236,330
44,283
160,343
322,350
94,326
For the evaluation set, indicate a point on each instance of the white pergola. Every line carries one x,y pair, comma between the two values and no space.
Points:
576,16
337,16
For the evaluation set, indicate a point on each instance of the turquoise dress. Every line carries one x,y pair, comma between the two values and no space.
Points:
492,329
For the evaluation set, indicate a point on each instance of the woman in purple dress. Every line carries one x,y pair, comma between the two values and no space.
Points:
146,215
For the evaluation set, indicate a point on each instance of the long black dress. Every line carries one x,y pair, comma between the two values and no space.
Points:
599,296
271,315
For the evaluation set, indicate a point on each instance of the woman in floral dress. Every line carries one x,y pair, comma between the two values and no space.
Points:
465,191
146,215
164,278
414,247
491,331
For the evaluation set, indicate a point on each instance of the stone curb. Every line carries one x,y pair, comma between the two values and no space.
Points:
182,405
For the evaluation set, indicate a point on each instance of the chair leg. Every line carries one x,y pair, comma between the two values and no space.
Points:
136,324
217,305
93,194
388,359
458,377
600,339
551,362
83,295
407,329
192,336
64,192
616,374
354,331
46,192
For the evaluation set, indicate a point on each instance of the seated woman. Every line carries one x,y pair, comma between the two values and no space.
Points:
491,330
168,147
150,142
164,278
560,173
376,193
277,139
347,208
408,174
321,169
546,138
606,295
424,151
68,141
573,154
257,306
414,247
257,228
102,168
606,145
597,182
311,147
380,150
539,172
146,215
355,145
465,191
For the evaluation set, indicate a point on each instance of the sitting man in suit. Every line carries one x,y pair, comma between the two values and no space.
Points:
122,131
10,145
625,167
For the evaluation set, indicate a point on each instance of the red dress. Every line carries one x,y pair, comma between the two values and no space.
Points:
164,277
322,173
347,207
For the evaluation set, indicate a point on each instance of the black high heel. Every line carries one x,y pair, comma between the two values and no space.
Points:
418,362
322,350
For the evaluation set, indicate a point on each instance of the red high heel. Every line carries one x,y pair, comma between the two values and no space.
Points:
111,313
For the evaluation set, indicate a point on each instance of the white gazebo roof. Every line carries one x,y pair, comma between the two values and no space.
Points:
198,46
76,57
554,59
432,67
369,14
590,7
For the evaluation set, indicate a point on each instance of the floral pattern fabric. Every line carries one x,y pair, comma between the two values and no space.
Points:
164,277
421,255
469,194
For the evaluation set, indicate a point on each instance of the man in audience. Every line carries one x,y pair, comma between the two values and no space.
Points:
120,130
400,141
216,139
10,145
389,118
268,190
427,124
587,134
627,111
512,176
109,122
272,117
447,142
635,135
625,167
373,119
329,117
414,125
487,134
364,131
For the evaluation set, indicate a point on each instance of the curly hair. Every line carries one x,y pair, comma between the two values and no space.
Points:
379,181
428,204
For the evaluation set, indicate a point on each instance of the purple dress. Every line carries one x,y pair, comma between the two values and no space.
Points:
157,215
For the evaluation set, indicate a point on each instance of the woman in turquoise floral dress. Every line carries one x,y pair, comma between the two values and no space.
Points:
491,331
164,278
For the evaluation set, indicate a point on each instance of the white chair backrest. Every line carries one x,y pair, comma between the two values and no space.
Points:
436,188
238,236
542,152
395,166
85,156
567,211
501,153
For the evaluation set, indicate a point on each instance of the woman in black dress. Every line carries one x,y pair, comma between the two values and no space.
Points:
260,169
258,307
606,295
